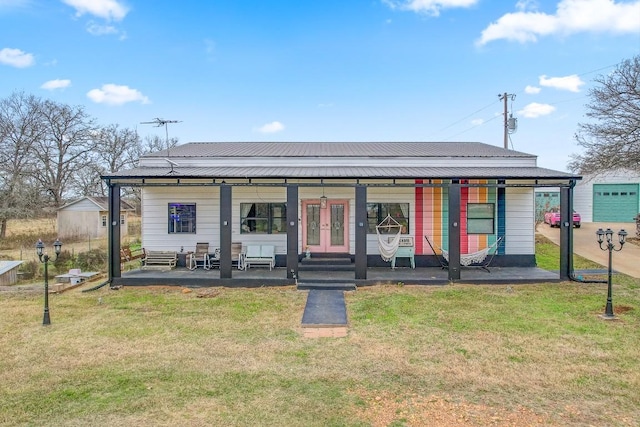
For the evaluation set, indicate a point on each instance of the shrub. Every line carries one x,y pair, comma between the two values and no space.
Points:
93,260
64,262
29,269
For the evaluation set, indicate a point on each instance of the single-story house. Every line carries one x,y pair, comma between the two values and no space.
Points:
89,217
330,198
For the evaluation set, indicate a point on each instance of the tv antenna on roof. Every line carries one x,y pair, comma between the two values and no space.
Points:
162,122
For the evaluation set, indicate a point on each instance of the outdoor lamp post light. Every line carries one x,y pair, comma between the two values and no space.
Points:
606,236
44,258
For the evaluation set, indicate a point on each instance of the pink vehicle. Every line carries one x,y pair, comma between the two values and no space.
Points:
553,218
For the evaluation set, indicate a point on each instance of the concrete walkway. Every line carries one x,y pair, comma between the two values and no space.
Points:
585,244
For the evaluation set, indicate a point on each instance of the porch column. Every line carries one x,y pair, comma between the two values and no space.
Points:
361,232
502,214
454,230
225,231
114,231
292,231
566,232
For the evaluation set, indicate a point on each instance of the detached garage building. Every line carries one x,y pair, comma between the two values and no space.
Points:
612,197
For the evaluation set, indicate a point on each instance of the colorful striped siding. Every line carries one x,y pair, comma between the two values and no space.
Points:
432,216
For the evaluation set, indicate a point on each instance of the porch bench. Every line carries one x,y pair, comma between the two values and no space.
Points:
159,260
260,255
126,254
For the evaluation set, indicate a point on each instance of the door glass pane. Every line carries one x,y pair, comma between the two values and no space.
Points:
337,224
313,224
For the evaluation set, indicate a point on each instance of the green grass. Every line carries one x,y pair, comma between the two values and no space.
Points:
156,356
463,355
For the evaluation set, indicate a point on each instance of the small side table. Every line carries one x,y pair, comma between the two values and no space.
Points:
405,250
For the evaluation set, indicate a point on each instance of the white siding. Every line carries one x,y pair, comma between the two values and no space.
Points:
520,221
257,195
155,202
583,191
82,205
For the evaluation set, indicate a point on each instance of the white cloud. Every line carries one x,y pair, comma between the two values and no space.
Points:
532,90
96,29
112,94
106,9
16,58
56,84
572,16
571,83
272,127
477,122
535,110
429,7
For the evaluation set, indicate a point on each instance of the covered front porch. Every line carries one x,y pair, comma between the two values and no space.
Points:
327,198
257,277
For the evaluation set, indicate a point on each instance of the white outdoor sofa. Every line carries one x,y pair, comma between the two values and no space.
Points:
260,255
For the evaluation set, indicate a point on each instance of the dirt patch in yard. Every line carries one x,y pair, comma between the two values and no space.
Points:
385,409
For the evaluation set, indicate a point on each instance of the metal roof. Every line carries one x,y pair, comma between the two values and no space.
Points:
329,172
8,266
337,149
100,202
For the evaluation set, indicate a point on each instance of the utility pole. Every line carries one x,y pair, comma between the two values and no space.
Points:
504,97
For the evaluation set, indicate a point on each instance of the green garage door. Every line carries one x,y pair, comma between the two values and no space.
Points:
545,201
615,202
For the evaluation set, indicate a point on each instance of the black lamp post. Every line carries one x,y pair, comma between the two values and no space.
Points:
606,236
44,258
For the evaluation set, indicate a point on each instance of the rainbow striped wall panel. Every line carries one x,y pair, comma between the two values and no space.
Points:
432,216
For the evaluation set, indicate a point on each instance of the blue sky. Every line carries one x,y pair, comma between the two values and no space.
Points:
324,70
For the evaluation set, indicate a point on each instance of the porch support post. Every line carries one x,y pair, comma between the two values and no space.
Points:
292,231
225,231
114,231
361,232
454,230
566,232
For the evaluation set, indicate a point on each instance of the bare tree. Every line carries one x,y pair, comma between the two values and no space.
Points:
152,144
64,149
114,149
612,139
20,129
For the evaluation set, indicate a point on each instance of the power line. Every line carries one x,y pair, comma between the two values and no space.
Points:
464,118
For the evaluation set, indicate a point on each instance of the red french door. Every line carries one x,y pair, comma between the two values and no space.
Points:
325,225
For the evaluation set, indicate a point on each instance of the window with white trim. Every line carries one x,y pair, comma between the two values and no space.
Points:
182,218
480,218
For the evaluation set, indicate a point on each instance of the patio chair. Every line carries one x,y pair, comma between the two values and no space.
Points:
200,258
236,255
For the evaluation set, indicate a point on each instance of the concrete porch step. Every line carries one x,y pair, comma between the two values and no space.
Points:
326,285
326,260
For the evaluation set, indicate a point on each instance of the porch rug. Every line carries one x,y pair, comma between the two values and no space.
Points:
325,308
